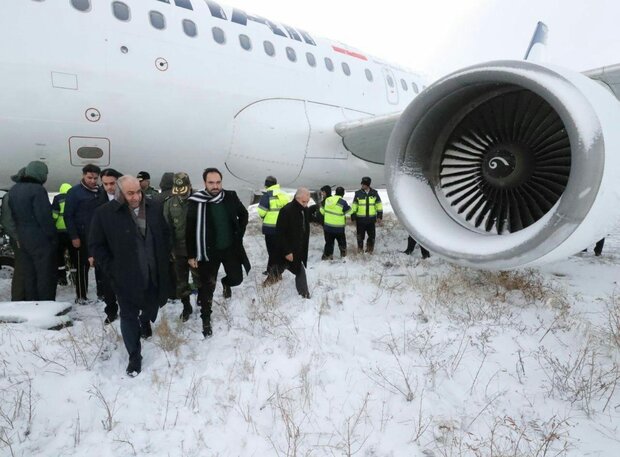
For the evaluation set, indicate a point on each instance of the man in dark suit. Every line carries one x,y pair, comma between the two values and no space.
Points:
130,241
293,228
216,222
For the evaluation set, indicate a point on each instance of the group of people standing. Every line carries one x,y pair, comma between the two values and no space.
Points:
144,244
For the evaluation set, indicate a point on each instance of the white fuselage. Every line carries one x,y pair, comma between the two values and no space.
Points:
85,87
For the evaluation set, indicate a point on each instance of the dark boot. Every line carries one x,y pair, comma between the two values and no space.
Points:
205,315
187,309
343,253
410,245
227,290
145,330
207,331
135,366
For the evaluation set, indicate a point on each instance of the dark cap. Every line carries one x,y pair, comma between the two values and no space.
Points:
270,181
143,175
366,181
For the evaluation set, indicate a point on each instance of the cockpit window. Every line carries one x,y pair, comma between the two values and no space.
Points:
81,5
157,20
189,27
121,11
218,35
184,4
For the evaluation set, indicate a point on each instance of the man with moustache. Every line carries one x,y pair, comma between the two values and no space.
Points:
130,241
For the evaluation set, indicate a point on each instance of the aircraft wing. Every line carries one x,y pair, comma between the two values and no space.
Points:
368,138
609,76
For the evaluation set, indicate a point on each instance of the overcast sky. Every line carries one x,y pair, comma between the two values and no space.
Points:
439,36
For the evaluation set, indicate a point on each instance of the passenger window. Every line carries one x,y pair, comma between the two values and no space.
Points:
157,20
390,81
245,42
346,69
291,54
184,4
368,75
329,64
81,5
269,49
189,27
414,86
218,35
404,84
121,11
311,59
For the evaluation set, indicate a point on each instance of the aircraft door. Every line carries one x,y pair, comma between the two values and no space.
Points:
390,86
270,137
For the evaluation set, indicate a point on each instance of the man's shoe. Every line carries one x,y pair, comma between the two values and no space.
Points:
62,281
327,257
305,295
597,254
227,290
187,311
146,331
134,367
426,256
408,251
207,331
265,272
110,318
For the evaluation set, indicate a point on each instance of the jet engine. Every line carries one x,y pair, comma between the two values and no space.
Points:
507,164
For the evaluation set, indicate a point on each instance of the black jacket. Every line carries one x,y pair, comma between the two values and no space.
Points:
293,232
238,217
32,214
114,244
80,206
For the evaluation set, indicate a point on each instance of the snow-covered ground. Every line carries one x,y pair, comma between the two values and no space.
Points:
392,356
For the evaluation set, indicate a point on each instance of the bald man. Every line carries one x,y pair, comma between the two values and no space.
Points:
130,241
293,232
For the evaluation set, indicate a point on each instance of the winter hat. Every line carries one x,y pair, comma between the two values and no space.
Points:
366,181
36,170
167,181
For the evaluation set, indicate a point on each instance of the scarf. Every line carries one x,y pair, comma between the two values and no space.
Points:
139,218
203,198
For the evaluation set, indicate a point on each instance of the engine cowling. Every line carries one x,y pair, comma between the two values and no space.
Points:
507,164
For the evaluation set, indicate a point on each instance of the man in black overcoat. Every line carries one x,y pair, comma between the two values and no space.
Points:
130,241
216,222
293,229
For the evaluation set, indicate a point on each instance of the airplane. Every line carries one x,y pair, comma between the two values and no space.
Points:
500,165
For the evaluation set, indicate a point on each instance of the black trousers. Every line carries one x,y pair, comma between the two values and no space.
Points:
79,262
18,283
598,249
363,229
38,265
274,263
109,296
411,245
64,245
301,282
330,237
136,312
208,278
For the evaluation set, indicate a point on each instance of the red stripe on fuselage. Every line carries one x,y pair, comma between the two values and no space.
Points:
357,55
